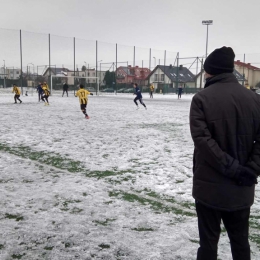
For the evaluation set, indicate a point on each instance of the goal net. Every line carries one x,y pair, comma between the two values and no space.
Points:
57,82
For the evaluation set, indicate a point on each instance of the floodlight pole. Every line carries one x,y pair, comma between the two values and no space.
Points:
207,22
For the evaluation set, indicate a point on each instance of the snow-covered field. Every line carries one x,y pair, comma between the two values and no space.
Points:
116,186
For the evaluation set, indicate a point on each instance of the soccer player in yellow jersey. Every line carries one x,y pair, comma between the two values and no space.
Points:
83,99
151,90
17,94
46,94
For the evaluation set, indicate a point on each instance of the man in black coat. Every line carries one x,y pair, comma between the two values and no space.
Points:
225,128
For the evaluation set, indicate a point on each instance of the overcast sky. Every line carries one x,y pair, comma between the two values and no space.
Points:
175,26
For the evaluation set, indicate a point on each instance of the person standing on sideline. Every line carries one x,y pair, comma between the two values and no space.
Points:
65,88
225,128
46,94
138,96
83,99
17,93
40,91
180,88
151,90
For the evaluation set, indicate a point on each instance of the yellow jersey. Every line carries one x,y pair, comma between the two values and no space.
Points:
83,95
46,86
152,88
46,90
16,90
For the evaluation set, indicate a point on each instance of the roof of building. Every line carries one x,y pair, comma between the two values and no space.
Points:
184,74
56,70
246,65
239,76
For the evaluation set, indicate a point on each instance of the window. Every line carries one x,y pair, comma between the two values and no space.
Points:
93,74
155,77
17,72
162,77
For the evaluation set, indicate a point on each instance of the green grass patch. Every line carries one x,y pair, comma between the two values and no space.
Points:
157,206
17,256
104,223
48,248
104,246
12,216
142,229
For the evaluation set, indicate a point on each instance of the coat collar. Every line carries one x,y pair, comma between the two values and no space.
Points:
221,78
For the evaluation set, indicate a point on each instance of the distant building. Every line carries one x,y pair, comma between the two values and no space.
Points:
129,74
200,80
10,73
70,80
251,73
170,75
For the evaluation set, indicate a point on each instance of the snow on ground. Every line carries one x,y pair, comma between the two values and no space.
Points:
117,186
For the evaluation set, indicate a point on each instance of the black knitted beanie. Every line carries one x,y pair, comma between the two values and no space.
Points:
220,61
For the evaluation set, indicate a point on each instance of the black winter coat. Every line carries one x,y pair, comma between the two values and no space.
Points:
225,127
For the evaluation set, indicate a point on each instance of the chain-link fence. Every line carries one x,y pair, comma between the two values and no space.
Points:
29,58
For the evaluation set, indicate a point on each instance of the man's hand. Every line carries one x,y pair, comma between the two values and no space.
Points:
245,176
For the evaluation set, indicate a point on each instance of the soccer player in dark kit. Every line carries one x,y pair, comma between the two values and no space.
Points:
138,96
83,99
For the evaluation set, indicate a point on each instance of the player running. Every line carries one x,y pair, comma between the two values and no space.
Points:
17,92
46,94
138,96
83,99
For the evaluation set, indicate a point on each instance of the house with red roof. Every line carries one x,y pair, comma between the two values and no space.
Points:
250,72
129,74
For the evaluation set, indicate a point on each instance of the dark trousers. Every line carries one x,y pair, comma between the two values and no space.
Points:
179,93
236,224
40,96
17,97
45,98
140,100
151,94
65,90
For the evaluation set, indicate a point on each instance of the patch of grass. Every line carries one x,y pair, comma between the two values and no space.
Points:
255,238
48,248
12,216
141,229
17,256
179,181
104,223
104,246
5,181
194,241
76,210
66,203
1,246
157,206
84,194
52,159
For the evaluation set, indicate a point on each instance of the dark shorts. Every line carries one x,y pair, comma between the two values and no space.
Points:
83,106
16,96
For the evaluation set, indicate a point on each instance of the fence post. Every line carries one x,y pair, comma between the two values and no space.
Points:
50,83
96,65
74,43
134,58
116,69
21,55
201,72
243,82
